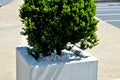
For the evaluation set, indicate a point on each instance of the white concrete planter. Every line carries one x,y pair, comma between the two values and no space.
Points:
29,69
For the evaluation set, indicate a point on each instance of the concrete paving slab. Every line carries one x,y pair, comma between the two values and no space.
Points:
108,51
9,38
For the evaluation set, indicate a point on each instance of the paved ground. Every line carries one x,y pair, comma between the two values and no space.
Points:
109,12
4,2
107,52
9,39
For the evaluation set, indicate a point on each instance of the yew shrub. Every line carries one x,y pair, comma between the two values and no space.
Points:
50,24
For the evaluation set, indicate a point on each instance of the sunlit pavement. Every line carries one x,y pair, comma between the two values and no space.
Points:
9,38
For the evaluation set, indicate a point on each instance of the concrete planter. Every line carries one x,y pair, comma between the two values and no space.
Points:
29,69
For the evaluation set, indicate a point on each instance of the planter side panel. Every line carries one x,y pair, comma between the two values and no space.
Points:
93,70
28,69
23,69
75,71
79,71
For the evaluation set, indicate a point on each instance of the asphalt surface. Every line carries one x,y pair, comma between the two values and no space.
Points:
109,12
4,2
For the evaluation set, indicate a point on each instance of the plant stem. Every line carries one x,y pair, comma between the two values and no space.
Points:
58,50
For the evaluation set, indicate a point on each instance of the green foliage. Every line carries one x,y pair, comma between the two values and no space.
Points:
50,24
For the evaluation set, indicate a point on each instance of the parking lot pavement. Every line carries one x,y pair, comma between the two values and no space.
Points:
4,2
108,50
109,12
